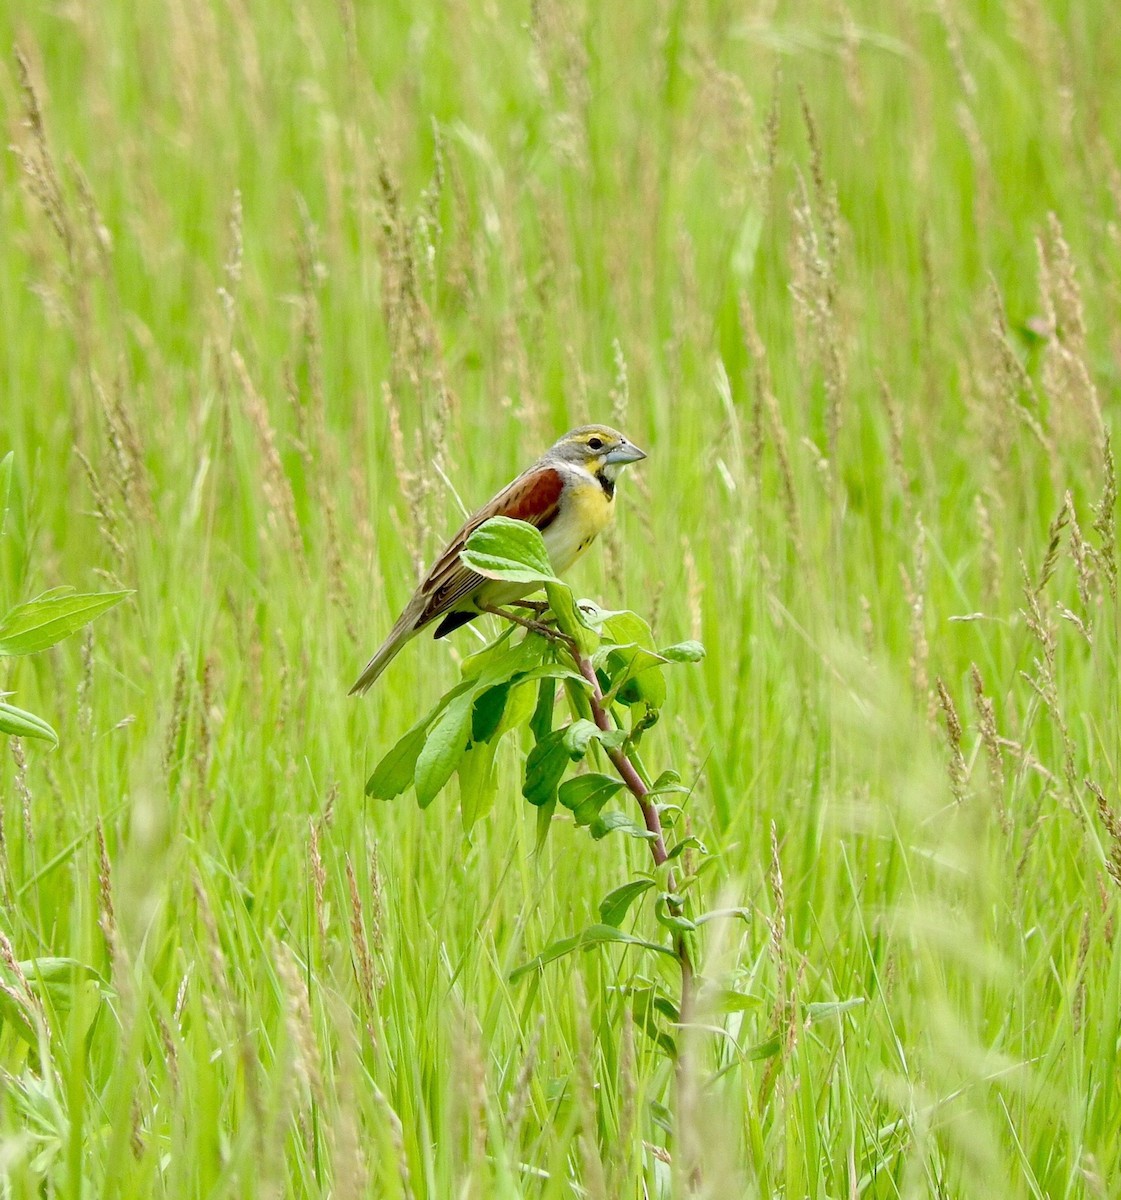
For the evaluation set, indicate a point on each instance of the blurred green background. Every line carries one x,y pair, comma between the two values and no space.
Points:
279,283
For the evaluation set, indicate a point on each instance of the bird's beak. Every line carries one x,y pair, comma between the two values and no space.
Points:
626,453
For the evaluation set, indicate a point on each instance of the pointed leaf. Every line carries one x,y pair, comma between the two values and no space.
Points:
31,627
609,822
443,748
486,716
587,794
544,822
544,767
478,783
614,906
502,548
542,720
24,724
396,770
595,935
578,736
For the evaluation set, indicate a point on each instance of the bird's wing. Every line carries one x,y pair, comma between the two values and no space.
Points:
533,497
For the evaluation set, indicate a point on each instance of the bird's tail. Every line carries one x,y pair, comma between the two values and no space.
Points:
390,648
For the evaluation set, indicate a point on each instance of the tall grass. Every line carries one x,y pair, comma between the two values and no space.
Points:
278,285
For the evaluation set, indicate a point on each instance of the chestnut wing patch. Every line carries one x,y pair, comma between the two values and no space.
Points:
534,498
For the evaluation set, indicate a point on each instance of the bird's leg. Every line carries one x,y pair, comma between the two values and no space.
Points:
546,631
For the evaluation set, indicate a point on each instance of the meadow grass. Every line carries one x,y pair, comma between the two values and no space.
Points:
278,285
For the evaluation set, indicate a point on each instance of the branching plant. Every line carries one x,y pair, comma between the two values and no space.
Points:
589,684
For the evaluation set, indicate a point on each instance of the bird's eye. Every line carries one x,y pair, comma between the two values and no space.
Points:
595,443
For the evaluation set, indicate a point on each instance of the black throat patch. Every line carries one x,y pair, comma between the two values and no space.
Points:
608,485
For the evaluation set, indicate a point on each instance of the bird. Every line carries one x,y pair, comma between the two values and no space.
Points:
568,494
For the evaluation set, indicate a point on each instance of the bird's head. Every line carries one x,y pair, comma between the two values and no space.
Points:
599,449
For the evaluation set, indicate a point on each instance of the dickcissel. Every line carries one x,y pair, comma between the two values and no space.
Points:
569,494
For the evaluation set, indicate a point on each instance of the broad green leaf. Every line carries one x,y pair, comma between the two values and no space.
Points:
478,783
396,770
609,822
487,713
585,795
24,724
635,676
570,619
595,935
502,548
579,735
542,720
5,487
443,748
31,627
683,652
614,906
519,706
625,628
545,766
475,664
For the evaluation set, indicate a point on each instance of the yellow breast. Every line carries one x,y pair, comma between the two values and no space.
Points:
586,510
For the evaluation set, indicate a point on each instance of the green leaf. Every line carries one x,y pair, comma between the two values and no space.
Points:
664,914
519,706
684,652
609,822
5,487
635,676
649,1008
825,1009
667,783
680,847
578,736
502,548
614,906
396,770
544,767
767,1049
478,783
49,618
595,935
716,999
626,627
570,619
544,822
542,720
443,748
585,795
24,724
486,716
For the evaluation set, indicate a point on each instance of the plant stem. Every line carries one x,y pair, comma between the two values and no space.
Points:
637,787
